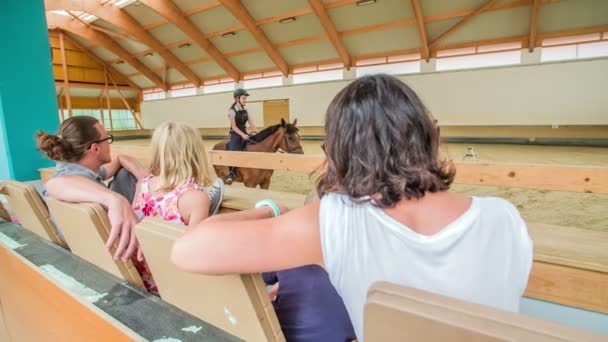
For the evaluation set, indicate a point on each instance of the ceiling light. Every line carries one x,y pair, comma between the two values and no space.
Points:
287,20
365,2
120,62
149,54
229,34
185,45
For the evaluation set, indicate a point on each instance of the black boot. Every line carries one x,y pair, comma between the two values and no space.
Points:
230,176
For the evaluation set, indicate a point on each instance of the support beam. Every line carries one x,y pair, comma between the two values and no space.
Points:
461,23
75,27
240,12
66,82
424,45
100,61
174,14
125,102
108,102
121,19
533,26
330,30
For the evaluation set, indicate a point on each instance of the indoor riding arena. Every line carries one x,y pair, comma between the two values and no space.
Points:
515,90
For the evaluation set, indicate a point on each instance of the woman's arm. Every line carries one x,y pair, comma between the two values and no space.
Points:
193,205
251,124
251,245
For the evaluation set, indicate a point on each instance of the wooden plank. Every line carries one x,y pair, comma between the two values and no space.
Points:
569,246
66,82
31,303
330,29
547,177
461,23
238,10
569,286
533,26
268,161
125,102
424,45
238,197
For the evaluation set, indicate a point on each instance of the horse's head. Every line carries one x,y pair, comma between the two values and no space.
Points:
291,138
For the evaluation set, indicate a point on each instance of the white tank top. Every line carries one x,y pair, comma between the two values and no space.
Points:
484,256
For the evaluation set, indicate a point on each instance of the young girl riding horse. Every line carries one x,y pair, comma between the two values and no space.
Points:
238,134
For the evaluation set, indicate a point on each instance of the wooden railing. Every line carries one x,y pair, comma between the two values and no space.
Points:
570,264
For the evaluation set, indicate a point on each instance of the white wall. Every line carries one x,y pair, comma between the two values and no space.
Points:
567,93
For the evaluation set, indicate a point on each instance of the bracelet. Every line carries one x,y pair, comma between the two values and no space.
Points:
269,203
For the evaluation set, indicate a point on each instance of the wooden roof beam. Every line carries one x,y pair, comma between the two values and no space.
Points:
123,20
461,23
174,14
240,12
330,29
100,61
533,25
76,27
424,45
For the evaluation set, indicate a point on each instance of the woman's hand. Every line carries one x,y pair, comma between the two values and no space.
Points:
245,136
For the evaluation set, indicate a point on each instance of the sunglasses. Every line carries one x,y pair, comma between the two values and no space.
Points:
109,138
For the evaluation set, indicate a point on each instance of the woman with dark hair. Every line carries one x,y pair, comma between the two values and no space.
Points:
385,214
239,117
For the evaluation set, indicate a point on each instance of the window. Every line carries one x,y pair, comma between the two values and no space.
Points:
479,60
574,47
318,76
218,88
263,82
122,119
183,92
157,95
392,69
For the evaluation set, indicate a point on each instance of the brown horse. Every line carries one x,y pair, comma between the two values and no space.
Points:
283,136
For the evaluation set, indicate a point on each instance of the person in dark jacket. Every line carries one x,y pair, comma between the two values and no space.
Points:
238,121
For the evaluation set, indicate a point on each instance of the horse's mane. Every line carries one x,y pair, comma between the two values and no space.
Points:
270,130
265,133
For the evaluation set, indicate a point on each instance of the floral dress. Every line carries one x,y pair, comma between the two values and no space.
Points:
164,206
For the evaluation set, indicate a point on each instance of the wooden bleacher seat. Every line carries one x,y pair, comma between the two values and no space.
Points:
4,213
241,198
85,227
238,304
397,313
30,210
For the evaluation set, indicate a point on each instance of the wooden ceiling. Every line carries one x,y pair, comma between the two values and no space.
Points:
171,43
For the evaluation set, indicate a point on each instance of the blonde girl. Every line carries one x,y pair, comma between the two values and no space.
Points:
179,166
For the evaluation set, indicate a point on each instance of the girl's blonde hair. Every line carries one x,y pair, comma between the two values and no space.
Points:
178,155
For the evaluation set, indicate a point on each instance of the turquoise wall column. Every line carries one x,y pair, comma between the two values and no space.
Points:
27,88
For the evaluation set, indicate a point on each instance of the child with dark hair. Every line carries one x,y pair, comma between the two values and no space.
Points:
385,214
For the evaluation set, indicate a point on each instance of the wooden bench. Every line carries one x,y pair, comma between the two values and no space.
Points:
85,227
238,303
30,210
397,313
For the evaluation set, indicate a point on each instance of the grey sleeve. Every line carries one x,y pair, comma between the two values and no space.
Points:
231,112
75,172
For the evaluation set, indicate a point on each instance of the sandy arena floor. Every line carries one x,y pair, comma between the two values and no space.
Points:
582,210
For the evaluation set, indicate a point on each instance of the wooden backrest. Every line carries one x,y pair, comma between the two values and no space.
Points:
238,304
85,227
30,210
397,313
